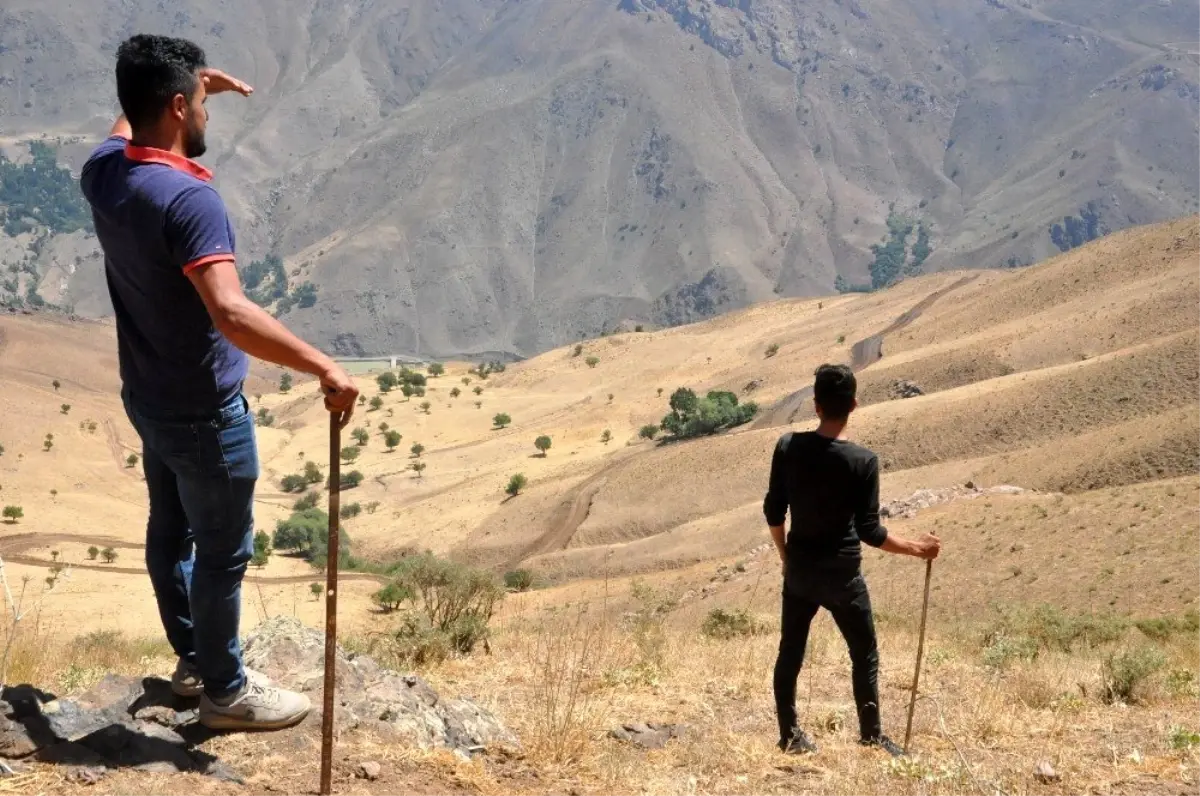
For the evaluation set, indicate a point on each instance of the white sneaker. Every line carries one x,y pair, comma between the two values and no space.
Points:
258,707
186,682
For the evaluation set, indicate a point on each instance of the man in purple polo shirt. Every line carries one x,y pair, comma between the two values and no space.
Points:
184,330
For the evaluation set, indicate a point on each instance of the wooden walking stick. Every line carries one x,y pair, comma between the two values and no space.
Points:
912,702
331,574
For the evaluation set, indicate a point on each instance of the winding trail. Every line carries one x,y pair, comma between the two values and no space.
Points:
577,504
12,548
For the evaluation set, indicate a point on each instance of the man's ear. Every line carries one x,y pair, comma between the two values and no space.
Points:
179,107
853,405
817,408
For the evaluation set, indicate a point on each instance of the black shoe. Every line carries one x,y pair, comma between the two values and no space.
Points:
885,743
798,744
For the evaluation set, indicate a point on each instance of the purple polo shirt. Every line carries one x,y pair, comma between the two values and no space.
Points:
157,219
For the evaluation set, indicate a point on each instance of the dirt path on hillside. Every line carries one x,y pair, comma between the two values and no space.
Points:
863,354
12,549
574,509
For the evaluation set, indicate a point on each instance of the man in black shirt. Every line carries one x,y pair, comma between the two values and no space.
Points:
831,487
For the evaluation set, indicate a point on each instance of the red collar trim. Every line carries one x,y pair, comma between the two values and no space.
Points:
145,154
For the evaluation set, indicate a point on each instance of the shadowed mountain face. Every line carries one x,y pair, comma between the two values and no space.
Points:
493,176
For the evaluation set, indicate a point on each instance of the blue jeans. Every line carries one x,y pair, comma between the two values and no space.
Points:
200,473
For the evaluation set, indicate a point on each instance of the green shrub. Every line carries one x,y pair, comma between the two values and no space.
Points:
285,382
722,624
93,552
361,435
13,513
692,416
576,351
376,402
1164,627
349,511
436,369
312,473
387,381
453,605
648,431
516,484
391,596
293,483
518,580
501,420
543,444
309,501
592,361
109,555
131,460
1127,673
1182,738
1026,631
349,454
772,350
606,436
392,439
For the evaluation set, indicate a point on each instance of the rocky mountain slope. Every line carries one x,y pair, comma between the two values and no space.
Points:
479,176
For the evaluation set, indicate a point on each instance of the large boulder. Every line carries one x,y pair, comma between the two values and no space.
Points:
369,696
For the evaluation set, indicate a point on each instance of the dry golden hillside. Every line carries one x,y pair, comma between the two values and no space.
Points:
1075,380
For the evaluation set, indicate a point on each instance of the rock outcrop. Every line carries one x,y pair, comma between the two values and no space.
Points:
138,722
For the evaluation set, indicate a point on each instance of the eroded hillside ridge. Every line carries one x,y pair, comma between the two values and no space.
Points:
467,177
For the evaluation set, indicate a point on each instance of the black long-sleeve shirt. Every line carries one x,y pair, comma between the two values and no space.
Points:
831,487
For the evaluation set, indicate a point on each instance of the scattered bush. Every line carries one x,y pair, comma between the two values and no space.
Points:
466,380
455,392
592,361
56,384
372,507
722,624
606,436
351,479
262,549
478,390
417,449
285,383
425,406
131,460
391,596
1183,739
1163,628
109,555
376,402
841,338
543,444
453,605
312,473
315,589
648,431
577,350
436,369
772,350
48,442
361,435
293,483
392,439
691,416
518,580
309,501
418,467
264,418
1127,673
349,511
349,454
516,484
13,513
501,420
387,381
64,408
307,532
610,397
93,552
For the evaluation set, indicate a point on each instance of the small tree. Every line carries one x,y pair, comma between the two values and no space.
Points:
285,383
648,431
48,442
13,513
349,454
376,403
610,397
516,484
309,501
436,369
660,391
772,350
417,449
501,420
592,361
606,437
455,392
361,435
479,404
386,381
391,596
56,384
418,467
577,350
352,479
392,439
383,427
312,473
315,590
109,555
362,400
262,549
64,408
264,417
92,552
466,380
478,390
349,511
542,443
425,405
131,460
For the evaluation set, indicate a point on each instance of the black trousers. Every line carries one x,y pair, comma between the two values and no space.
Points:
842,592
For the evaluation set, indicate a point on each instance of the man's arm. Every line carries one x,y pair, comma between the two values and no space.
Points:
775,504
870,531
253,330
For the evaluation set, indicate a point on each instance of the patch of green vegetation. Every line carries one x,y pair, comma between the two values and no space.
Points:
41,193
892,256
692,416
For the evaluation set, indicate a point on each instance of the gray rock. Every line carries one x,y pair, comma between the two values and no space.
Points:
402,706
369,770
105,704
15,740
651,735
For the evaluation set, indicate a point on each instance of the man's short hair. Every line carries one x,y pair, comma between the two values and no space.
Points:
834,390
150,71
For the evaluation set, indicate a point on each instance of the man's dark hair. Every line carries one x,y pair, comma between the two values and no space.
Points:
150,71
834,390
